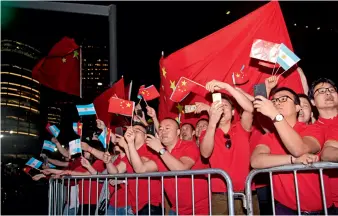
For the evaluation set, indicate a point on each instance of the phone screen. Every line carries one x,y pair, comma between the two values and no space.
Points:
151,130
216,97
119,131
260,89
139,113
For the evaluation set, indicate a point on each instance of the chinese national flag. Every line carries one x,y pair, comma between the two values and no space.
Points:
79,128
220,54
149,93
60,69
120,106
101,102
184,87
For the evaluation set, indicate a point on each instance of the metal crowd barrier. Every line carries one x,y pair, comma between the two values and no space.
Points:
320,166
57,189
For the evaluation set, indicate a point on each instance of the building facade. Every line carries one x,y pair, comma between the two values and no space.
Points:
20,97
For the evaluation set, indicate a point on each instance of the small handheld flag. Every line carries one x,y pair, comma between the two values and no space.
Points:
53,130
75,147
51,166
77,127
102,138
286,58
86,109
34,163
149,93
120,106
48,145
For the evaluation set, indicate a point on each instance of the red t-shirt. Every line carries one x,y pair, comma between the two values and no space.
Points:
328,130
72,165
235,161
121,191
308,181
90,188
261,180
186,149
155,184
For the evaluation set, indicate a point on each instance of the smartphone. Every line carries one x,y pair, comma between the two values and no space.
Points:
260,89
189,108
216,97
139,113
151,129
119,131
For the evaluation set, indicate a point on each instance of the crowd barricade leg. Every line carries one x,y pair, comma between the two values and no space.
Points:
295,169
66,195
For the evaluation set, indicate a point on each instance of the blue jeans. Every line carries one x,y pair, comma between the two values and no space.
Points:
71,211
119,211
171,212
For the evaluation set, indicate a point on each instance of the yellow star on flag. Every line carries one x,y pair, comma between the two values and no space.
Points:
64,60
184,83
172,85
128,104
179,107
164,72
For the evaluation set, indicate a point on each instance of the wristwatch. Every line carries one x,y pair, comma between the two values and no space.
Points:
162,151
278,118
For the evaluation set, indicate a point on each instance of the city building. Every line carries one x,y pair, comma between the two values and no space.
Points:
20,98
95,70
95,75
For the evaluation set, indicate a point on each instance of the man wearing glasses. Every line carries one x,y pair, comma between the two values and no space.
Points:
324,96
226,145
288,145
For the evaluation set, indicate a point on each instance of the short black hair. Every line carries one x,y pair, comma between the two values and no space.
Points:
227,98
139,124
192,126
316,82
168,118
305,96
202,119
295,95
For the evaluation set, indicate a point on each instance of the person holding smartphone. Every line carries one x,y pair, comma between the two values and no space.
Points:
226,145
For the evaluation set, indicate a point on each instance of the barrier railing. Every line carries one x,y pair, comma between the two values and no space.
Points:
320,166
59,194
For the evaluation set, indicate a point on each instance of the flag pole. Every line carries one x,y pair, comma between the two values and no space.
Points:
81,71
130,88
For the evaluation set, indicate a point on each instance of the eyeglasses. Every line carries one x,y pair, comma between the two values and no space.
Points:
281,99
324,90
228,141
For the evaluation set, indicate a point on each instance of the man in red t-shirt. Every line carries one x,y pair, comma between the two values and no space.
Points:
175,154
324,97
226,145
285,146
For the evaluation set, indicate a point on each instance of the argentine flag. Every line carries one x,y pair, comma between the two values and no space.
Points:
75,147
54,130
286,58
48,145
102,137
34,163
86,109
51,166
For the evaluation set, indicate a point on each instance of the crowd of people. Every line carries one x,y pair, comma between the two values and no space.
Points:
281,129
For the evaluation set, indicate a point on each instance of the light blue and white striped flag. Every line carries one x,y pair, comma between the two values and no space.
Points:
286,58
51,166
54,130
75,147
102,137
34,163
86,109
48,145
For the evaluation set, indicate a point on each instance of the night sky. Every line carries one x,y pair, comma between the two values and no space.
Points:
144,29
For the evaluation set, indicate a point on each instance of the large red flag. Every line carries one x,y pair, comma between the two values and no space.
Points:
60,70
223,53
101,102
